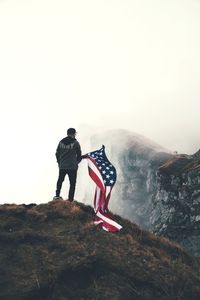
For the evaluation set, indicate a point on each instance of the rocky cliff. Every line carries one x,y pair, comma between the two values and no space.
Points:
54,252
158,190
175,206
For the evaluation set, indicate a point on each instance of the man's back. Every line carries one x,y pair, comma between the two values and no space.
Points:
68,153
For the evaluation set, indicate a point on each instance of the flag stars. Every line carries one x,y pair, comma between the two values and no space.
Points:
106,169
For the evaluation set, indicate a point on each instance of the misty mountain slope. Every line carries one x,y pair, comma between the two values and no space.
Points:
136,159
54,252
158,190
118,139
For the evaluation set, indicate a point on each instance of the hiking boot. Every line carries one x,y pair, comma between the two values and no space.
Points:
70,200
57,198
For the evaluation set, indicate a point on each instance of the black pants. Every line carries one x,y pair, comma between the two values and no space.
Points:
72,174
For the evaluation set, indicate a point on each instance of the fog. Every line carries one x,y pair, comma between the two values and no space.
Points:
92,65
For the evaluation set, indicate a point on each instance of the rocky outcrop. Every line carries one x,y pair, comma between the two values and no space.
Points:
53,251
175,203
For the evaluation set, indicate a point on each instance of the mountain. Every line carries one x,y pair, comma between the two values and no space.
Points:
136,159
155,188
54,252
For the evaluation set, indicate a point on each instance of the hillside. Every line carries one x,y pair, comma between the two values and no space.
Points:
180,164
54,252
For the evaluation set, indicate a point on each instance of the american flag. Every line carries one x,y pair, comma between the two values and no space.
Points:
103,173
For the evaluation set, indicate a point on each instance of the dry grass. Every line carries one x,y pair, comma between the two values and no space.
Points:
169,162
54,252
178,165
74,209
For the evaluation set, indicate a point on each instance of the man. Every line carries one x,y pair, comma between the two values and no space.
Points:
68,155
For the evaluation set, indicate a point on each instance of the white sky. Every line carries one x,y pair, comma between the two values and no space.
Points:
111,63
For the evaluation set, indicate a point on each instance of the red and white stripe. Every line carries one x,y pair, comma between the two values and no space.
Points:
101,199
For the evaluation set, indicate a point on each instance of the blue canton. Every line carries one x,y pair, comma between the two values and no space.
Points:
106,169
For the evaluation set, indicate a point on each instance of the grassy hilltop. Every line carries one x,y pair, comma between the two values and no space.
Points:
54,252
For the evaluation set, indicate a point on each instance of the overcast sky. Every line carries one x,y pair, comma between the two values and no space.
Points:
112,63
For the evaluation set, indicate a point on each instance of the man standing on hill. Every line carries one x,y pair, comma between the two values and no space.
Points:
68,155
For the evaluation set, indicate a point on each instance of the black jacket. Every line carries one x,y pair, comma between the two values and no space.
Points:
68,153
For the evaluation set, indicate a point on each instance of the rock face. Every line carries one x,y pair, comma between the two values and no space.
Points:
53,251
175,208
156,189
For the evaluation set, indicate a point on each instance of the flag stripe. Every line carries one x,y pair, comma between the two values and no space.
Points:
96,179
103,173
97,198
108,220
93,167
